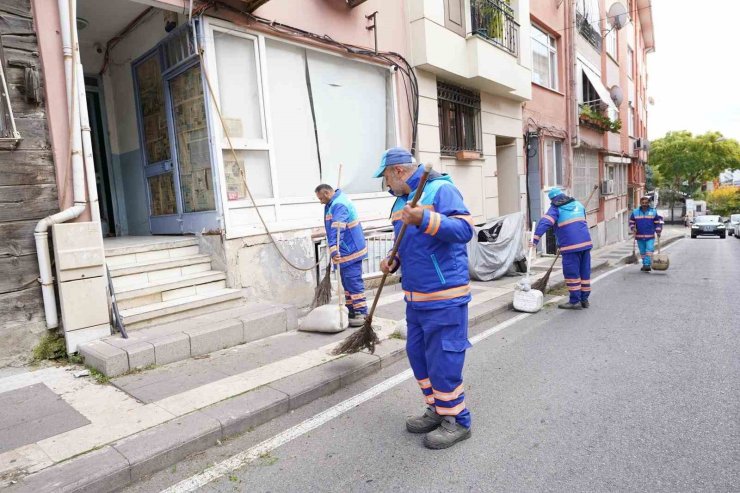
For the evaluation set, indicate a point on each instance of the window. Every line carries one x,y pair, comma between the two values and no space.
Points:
589,94
544,59
611,43
631,121
8,132
588,20
630,61
585,176
553,163
459,119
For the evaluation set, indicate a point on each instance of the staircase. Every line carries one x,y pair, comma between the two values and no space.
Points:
164,281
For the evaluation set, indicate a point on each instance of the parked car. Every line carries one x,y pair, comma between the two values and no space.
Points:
732,224
737,231
708,226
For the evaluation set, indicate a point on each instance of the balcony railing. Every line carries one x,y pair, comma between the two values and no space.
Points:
494,21
589,31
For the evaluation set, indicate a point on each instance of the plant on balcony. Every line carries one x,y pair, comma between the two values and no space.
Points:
492,15
597,120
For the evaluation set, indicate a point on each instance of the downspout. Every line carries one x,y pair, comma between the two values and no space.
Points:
41,233
575,130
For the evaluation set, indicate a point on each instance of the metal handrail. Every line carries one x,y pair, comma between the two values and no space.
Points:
494,21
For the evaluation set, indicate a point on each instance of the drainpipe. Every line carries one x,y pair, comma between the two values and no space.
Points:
41,233
576,135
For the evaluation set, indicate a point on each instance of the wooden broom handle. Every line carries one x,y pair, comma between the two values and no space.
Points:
397,243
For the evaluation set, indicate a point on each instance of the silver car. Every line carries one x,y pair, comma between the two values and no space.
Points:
732,224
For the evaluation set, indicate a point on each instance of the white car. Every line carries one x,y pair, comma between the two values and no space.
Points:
732,224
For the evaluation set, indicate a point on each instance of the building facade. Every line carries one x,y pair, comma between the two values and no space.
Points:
586,125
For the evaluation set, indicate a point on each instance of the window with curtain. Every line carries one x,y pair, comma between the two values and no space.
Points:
544,59
553,163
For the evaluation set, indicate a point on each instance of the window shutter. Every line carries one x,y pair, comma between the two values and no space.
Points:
455,16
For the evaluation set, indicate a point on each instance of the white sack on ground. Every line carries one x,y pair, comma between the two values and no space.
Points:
492,260
325,319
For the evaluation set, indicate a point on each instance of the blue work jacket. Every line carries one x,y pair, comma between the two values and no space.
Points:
568,218
645,223
340,213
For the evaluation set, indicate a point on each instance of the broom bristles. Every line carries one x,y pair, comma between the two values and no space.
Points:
365,338
541,284
322,295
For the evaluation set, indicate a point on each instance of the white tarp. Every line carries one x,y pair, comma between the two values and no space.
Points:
492,260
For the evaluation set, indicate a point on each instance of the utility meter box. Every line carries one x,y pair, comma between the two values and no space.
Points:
80,269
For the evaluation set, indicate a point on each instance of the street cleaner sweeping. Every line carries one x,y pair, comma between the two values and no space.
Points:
436,284
567,217
347,249
645,223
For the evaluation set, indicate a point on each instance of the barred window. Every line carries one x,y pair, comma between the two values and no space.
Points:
9,136
459,119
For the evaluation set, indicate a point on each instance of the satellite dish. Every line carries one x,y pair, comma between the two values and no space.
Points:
617,95
617,16
651,100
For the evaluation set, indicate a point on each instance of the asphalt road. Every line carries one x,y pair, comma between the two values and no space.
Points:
639,393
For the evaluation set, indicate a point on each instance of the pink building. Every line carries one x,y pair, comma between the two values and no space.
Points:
587,121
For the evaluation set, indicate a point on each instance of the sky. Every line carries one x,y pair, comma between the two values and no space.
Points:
694,73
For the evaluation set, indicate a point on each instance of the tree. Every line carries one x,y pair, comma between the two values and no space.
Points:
724,201
684,161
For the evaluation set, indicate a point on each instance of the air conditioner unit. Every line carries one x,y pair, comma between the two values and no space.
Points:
607,187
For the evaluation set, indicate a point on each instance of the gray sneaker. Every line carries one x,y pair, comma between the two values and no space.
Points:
570,306
358,320
447,434
425,423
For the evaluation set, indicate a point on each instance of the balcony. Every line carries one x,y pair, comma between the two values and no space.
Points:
494,21
483,53
589,31
594,116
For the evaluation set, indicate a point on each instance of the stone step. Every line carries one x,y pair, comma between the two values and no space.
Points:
158,270
167,289
131,245
197,335
177,309
130,259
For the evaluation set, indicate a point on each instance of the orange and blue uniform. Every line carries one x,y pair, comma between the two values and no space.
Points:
435,280
645,224
340,213
567,217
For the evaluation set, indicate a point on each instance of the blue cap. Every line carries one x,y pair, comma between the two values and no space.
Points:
554,192
393,156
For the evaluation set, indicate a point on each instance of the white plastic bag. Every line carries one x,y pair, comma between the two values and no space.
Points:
529,301
325,319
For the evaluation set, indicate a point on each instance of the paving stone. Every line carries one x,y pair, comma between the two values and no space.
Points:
162,382
170,348
32,413
101,471
309,385
166,444
107,359
265,323
244,412
140,353
210,338
390,351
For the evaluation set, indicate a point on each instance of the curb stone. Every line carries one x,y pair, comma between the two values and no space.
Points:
128,460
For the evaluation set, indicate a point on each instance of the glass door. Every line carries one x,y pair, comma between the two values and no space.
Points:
174,138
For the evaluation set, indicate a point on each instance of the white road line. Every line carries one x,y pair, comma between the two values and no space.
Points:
242,458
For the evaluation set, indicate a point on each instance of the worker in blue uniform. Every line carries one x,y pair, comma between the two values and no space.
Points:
434,262
567,217
645,223
340,215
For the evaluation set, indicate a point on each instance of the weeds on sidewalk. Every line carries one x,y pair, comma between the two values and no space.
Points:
50,347
98,376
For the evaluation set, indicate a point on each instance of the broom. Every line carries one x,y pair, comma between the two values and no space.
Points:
322,295
541,284
366,338
632,259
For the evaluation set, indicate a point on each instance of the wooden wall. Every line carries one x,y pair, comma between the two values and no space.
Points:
28,190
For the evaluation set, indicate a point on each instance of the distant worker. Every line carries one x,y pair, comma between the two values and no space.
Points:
340,213
567,217
645,223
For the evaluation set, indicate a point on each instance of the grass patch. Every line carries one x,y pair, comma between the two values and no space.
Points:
50,347
561,291
268,459
395,335
98,376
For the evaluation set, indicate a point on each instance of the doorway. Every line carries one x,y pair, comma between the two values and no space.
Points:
107,200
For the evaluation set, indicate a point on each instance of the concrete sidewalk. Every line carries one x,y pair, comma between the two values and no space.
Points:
60,431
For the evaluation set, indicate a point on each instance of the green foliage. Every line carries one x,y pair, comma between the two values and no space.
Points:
50,347
684,161
724,201
599,120
98,376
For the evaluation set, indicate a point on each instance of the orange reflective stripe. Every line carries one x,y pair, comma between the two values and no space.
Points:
437,223
465,217
397,215
445,294
577,245
333,248
353,223
571,221
450,411
352,257
337,224
429,399
449,396
425,383
549,218
433,225
573,280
